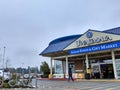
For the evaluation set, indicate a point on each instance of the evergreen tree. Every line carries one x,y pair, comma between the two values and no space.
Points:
45,69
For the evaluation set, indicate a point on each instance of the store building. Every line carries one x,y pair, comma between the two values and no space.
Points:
96,51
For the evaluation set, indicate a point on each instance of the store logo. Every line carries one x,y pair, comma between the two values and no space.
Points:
92,40
89,35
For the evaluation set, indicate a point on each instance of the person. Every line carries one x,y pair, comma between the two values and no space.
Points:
70,75
88,74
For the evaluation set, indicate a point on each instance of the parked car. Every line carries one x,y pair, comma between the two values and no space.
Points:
7,75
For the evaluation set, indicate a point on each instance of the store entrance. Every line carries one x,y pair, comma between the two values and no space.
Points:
102,70
107,71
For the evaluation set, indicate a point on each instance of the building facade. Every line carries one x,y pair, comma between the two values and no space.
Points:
94,52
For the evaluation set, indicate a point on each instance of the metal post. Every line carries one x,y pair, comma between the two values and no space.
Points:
22,72
3,65
36,83
6,64
29,72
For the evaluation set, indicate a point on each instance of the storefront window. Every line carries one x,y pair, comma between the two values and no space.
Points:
118,67
58,67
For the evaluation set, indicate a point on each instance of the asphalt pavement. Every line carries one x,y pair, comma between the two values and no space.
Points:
79,85
76,85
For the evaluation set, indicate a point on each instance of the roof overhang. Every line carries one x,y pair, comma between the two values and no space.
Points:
56,54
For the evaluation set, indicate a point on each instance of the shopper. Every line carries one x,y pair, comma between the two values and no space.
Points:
70,75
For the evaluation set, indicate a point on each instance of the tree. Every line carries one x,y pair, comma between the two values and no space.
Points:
45,69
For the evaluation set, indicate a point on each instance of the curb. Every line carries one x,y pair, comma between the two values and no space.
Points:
99,80
82,80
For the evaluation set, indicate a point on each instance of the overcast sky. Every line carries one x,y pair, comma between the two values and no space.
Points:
27,26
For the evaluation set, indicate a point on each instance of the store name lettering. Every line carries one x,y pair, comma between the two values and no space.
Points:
93,41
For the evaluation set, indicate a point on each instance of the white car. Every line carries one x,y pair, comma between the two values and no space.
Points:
7,75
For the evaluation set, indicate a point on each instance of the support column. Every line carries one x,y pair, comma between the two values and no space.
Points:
66,65
51,66
87,62
63,68
114,66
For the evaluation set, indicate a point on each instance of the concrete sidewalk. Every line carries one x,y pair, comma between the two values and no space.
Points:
98,80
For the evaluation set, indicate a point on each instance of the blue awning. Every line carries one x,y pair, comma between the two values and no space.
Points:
59,44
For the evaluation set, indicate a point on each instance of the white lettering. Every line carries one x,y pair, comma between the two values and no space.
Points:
109,46
102,46
95,48
74,51
84,50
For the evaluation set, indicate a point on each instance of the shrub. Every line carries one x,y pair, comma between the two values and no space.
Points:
6,85
14,76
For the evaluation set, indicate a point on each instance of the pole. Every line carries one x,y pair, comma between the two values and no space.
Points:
29,72
6,64
22,71
3,65
36,82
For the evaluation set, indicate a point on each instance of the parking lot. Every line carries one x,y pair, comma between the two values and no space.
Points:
77,85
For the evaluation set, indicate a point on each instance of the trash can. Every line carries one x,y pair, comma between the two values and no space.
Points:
87,76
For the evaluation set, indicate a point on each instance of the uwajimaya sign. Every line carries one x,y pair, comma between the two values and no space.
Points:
93,38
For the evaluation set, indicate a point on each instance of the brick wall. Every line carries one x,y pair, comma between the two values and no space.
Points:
78,65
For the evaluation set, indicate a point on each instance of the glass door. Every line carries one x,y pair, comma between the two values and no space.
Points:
95,70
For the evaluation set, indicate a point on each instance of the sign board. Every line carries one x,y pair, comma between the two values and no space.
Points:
93,38
100,47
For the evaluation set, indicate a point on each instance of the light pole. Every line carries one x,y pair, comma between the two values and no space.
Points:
3,64
22,71
6,64
4,56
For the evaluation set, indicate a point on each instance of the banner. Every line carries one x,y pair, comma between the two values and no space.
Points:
100,47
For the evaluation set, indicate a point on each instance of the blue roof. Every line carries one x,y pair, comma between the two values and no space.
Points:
60,43
113,31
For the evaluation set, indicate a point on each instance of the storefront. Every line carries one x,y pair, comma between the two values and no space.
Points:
96,52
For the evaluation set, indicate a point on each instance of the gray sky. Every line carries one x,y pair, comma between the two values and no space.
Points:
27,26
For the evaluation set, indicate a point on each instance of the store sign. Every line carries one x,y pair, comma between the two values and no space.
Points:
94,48
92,40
